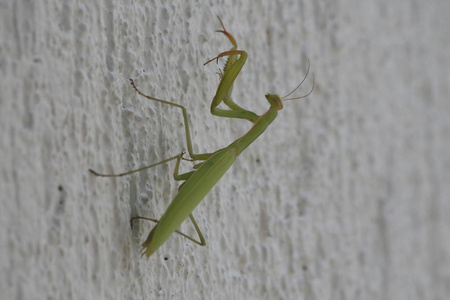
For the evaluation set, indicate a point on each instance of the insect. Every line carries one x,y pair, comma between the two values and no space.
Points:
211,166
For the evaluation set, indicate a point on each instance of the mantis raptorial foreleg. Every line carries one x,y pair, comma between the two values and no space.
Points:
232,69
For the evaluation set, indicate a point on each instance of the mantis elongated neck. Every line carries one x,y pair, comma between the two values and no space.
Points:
258,128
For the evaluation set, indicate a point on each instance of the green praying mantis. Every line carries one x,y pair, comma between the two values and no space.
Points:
212,166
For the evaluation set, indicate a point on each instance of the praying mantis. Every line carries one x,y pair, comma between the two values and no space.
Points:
211,166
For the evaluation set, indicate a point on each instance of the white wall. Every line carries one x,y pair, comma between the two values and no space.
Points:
345,196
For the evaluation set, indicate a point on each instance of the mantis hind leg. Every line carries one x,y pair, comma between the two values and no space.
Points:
179,177
202,241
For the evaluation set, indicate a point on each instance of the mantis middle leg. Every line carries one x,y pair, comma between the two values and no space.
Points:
193,155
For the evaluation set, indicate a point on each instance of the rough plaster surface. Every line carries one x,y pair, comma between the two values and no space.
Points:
346,195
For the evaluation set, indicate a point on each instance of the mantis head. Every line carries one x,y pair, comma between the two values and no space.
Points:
275,101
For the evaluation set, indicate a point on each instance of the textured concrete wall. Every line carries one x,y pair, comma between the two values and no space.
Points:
345,196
